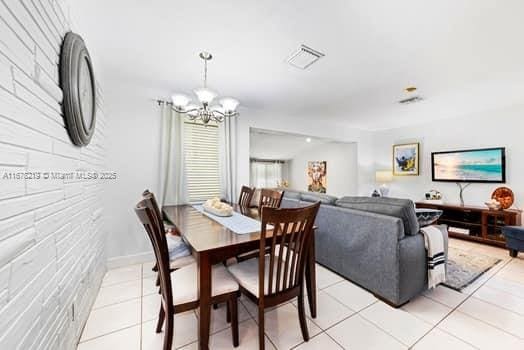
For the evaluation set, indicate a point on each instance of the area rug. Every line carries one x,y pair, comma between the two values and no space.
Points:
463,267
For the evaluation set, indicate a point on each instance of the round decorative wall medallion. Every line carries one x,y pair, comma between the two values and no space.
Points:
77,81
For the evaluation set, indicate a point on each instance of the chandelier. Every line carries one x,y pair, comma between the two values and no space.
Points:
204,111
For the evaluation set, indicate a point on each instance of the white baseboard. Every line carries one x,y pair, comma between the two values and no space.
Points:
126,260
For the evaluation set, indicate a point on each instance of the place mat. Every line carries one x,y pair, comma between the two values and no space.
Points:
238,223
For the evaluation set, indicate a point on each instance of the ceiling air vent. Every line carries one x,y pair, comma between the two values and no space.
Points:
410,100
304,57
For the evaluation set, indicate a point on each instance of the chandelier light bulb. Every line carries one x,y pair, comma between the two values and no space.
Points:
229,104
205,96
180,100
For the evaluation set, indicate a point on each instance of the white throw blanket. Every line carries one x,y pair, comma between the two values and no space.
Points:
434,243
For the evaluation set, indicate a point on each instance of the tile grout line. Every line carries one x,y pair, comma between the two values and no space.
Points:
460,304
334,283
334,340
451,335
108,333
500,307
96,309
387,332
266,335
117,283
115,303
314,336
357,313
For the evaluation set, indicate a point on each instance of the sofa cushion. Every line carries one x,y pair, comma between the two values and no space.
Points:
397,207
315,197
426,216
291,194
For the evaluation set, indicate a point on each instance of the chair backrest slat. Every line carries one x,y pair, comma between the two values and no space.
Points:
270,198
154,228
287,268
152,204
246,195
292,229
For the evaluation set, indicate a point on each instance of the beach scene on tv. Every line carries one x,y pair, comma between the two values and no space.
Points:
477,165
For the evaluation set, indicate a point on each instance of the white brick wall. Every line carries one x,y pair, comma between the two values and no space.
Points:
52,252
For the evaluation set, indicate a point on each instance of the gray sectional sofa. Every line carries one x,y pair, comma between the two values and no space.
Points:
374,242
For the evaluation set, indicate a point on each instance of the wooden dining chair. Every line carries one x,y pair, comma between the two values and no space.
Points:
176,263
153,205
270,198
246,195
278,276
179,288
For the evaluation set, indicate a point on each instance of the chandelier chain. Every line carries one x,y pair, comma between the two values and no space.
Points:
205,73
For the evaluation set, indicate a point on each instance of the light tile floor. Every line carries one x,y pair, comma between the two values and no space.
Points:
489,314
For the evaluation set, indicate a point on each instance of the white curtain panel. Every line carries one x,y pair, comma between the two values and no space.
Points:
172,178
265,174
228,159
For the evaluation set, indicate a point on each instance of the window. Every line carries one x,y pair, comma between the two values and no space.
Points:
201,159
266,174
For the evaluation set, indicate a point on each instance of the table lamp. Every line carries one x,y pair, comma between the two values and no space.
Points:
383,177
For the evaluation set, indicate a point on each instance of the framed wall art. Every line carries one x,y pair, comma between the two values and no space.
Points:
406,159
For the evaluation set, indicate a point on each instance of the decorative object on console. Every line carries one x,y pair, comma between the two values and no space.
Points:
433,195
77,81
205,111
406,159
504,196
476,165
493,204
316,176
375,194
461,193
382,178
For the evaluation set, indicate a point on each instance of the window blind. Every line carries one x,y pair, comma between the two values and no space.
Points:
201,160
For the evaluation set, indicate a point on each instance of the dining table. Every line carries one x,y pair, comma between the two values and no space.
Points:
213,243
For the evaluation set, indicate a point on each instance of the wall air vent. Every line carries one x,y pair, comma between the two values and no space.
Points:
410,100
304,57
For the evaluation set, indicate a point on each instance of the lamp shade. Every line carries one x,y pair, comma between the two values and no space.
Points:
180,100
383,176
205,96
229,104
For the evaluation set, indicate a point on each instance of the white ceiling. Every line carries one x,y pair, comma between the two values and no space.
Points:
464,56
268,144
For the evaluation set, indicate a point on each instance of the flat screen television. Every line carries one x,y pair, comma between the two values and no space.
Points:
487,165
